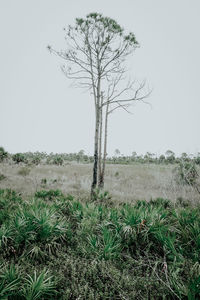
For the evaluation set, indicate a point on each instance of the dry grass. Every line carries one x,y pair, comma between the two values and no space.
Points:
124,182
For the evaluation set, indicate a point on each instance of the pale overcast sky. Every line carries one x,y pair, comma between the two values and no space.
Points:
39,111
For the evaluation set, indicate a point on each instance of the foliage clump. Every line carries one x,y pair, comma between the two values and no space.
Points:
15,285
58,160
36,160
19,158
55,159
3,154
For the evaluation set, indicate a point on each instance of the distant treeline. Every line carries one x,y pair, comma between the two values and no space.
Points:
59,159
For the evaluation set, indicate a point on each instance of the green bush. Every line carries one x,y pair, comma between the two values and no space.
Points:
19,157
58,160
36,160
3,154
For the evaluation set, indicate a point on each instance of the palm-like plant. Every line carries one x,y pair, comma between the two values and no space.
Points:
38,286
38,223
5,235
10,280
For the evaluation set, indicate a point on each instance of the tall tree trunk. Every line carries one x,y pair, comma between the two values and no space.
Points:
96,149
100,140
101,180
96,139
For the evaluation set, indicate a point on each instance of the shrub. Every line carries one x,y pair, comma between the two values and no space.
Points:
36,160
34,231
186,173
19,157
107,245
170,156
197,160
3,154
43,181
101,196
2,177
117,174
161,158
58,160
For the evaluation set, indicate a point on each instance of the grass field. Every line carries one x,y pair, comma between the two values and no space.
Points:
125,182
55,243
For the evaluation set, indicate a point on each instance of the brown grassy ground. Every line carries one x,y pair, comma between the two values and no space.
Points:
124,182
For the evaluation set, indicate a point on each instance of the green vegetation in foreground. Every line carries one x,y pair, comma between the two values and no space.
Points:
55,247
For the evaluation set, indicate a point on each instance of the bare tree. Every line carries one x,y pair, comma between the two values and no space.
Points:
97,48
119,100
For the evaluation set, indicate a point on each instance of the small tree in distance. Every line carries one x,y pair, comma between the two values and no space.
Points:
97,48
3,154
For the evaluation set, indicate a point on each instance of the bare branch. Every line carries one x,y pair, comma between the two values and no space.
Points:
124,107
135,97
71,75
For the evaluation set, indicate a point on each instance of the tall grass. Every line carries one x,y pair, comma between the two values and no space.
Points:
127,186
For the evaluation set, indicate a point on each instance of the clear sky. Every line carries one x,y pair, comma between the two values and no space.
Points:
40,111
